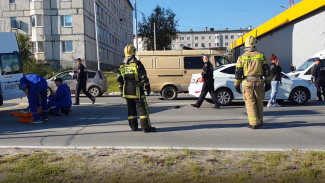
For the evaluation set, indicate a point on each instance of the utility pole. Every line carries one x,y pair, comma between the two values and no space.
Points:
96,32
154,37
136,24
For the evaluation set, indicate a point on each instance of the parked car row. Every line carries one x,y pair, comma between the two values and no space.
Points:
293,89
96,82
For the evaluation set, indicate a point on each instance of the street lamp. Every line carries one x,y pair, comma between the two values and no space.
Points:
96,32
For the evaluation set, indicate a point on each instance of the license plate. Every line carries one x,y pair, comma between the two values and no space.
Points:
10,86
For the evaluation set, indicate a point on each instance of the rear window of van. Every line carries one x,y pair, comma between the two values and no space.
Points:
193,63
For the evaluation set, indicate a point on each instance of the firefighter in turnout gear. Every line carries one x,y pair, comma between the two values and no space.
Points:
251,66
132,79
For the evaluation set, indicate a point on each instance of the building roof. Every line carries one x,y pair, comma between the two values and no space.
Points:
128,1
213,31
297,11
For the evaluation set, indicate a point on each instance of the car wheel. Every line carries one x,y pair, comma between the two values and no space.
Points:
299,96
169,93
49,92
224,96
1,100
94,91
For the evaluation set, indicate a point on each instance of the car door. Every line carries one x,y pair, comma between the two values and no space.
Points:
192,65
227,75
284,89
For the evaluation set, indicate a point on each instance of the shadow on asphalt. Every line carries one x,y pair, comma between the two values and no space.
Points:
266,126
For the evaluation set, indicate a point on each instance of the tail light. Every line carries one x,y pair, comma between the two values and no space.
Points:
100,75
200,80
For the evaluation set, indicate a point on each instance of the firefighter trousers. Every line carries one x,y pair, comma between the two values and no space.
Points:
253,95
142,106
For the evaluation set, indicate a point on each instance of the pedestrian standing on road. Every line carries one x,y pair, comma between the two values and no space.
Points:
132,78
208,85
251,66
319,75
275,71
35,86
60,103
82,83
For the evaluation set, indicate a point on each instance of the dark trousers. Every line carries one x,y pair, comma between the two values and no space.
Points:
81,86
207,87
142,106
40,89
320,85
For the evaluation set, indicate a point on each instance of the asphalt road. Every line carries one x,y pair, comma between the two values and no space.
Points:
104,124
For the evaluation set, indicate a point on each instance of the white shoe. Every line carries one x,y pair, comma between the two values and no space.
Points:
36,122
277,105
270,105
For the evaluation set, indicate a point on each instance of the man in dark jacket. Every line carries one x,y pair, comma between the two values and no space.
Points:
319,75
82,83
132,77
61,101
275,72
208,85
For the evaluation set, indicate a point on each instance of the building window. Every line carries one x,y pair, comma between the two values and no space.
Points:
67,46
34,0
196,38
189,45
202,45
66,21
37,21
226,44
226,37
209,37
181,45
232,37
11,1
196,45
181,38
38,47
209,44
217,44
14,23
188,38
202,37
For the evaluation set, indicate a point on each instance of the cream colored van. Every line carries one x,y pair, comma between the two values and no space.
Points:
170,72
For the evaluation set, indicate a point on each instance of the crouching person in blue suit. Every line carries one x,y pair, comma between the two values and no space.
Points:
61,101
34,86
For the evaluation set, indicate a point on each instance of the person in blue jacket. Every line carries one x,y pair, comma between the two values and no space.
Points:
34,86
61,101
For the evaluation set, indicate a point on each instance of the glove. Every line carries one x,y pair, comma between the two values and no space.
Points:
267,87
313,79
237,87
148,89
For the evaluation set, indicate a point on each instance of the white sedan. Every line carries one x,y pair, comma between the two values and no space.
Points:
296,90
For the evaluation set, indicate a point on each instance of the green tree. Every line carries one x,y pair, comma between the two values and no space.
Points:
165,28
24,46
30,64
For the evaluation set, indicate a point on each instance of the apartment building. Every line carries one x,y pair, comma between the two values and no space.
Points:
208,38
63,30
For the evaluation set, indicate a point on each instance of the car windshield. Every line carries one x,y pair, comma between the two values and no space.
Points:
305,65
10,64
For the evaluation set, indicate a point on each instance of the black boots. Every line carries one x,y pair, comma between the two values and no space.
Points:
149,129
195,105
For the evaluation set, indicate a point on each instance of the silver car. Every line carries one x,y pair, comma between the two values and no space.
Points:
96,82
